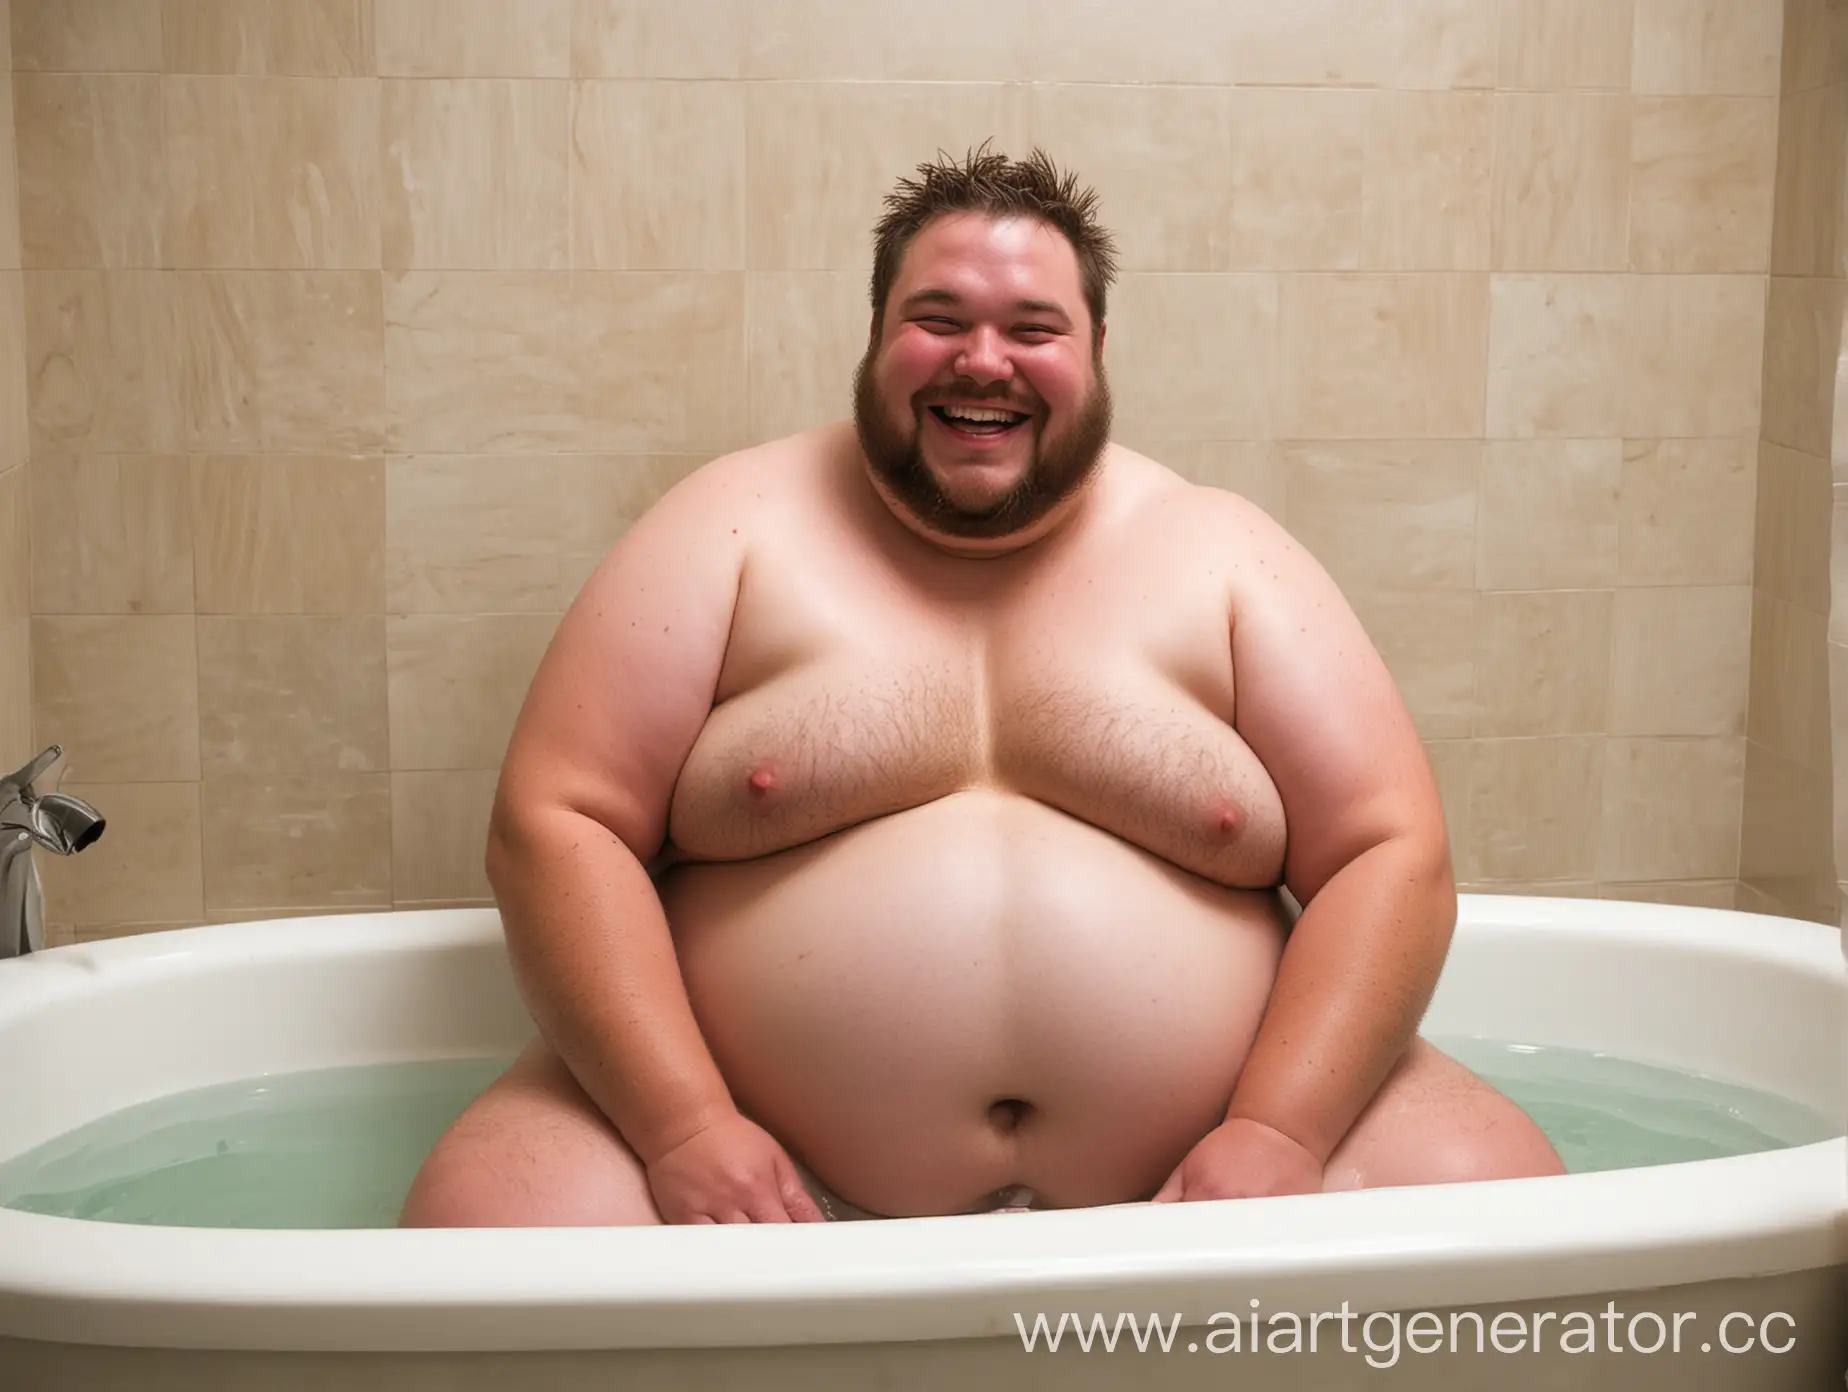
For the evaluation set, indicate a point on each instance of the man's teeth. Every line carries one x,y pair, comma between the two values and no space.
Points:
979,414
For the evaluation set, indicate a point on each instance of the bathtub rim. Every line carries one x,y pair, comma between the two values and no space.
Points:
1431,1247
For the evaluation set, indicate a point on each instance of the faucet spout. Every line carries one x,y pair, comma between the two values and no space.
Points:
56,822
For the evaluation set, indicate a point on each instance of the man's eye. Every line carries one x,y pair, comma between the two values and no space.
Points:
947,323
1035,329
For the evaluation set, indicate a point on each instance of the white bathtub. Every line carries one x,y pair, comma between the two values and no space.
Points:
931,1303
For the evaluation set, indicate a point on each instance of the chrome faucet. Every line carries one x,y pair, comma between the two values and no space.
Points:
61,824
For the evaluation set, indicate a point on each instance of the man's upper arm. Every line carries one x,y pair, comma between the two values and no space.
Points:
1316,704
629,677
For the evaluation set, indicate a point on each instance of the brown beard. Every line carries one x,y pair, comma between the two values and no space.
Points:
1061,465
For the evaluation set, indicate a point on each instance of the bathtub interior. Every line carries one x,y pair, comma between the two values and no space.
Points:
1748,1000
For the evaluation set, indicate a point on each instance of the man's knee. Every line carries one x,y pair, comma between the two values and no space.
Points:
455,1190
1509,1148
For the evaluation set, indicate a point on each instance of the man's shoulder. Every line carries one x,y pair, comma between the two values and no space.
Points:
1212,495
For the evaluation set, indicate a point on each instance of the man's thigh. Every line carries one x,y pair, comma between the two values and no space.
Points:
1435,1122
531,1151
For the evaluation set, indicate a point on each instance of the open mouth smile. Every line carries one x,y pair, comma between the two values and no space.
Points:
979,425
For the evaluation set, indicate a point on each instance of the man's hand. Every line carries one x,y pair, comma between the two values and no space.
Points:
731,1172
1242,1159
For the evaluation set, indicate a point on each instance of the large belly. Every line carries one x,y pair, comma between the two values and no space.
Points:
976,994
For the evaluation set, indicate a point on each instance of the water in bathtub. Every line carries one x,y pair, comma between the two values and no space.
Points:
337,1148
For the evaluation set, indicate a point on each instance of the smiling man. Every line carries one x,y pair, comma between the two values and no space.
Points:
898,822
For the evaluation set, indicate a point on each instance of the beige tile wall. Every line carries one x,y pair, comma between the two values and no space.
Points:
1789,857
357,329
15,532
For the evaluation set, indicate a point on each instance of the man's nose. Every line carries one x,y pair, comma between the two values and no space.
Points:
984,355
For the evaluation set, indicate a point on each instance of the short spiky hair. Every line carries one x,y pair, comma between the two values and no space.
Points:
994,185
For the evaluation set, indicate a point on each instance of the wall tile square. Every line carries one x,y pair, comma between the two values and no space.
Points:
92,170
1193,355
278,842
288,534
845,40
1794,527
9,177
1395,515
1253,469
1838,572
145,867
476,174
808,334
1382,356
1680,663
1141,149
86,35
1786,833
662,361
1548,516
120,693
16,694
473,38
1701,183
101,370
439,837
1533,809
1694,355
1789,704
457,684
1556,346
471,534
112,534
1561,183
1708,46
1296,188
281,360
820,157
1815,44
15,540
1543,662
272,173
277,38
646,39
644,362
657,176
15,437
1809,225
1559,45
1685,512
296,694
1802,339
480,361
1427,640
1671,809
1343,43
1426,202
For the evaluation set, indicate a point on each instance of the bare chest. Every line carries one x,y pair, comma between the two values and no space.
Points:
1108,697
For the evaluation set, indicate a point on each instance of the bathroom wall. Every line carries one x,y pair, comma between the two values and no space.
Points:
357,329
1787,853
15,571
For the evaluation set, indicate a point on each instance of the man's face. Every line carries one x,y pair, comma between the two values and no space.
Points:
985,315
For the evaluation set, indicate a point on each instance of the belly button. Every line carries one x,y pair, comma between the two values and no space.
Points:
1007,1115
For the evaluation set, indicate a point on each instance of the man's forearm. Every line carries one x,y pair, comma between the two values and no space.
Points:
1356,976
591,953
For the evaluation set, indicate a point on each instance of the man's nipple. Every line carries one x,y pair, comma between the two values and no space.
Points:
761,783
1226,820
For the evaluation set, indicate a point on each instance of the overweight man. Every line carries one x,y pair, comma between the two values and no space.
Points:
898,822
